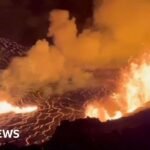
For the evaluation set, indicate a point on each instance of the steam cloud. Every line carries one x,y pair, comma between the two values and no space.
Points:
120,30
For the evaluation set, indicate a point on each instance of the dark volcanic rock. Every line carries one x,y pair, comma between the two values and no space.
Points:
127,133
8,50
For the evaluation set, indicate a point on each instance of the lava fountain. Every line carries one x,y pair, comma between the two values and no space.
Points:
132,94
6,107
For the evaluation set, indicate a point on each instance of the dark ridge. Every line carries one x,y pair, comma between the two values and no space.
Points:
124,134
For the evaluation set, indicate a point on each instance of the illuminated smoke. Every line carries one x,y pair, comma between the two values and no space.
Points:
120,30
124,25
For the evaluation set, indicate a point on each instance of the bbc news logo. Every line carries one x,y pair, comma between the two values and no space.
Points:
6,134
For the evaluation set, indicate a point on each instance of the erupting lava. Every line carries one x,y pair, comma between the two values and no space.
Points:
133,93
6,107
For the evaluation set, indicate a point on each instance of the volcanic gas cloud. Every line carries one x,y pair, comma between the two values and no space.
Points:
120,30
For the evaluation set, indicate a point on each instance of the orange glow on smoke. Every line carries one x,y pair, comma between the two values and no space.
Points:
6,107
133,93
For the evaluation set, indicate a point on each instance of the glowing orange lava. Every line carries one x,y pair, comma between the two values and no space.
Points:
6,107
132,94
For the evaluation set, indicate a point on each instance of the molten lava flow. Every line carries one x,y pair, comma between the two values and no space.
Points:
6,107
96,110
133,93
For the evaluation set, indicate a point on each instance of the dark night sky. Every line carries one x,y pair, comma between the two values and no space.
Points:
25,21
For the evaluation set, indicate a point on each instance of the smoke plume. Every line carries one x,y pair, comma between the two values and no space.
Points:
124,25
120,31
